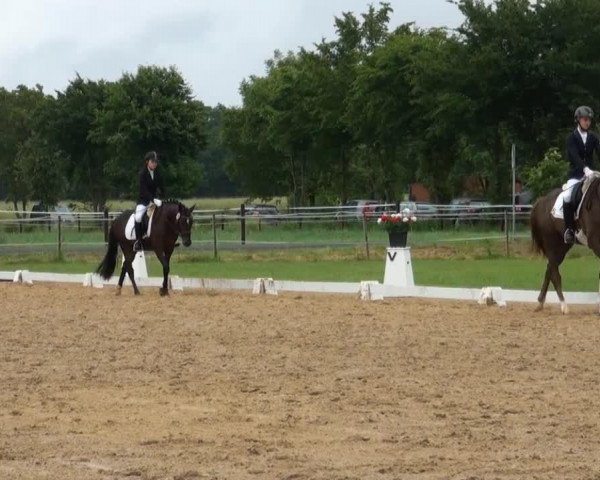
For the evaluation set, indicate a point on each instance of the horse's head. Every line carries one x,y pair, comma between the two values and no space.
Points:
185,221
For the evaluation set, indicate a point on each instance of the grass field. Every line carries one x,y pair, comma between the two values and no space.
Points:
201,203
425,234
459,266
473,256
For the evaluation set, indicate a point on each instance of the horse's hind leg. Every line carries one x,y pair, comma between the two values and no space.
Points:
556,280
121,279
129,267
544,290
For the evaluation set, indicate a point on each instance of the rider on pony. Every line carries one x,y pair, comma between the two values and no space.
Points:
581,144
151,187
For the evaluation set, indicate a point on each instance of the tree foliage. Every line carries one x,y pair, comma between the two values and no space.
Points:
362,114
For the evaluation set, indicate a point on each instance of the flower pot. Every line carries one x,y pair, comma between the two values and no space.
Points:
398,239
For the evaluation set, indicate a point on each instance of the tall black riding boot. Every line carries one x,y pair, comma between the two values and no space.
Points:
139,244
569,215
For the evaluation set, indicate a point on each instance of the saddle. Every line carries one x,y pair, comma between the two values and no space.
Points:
146,223
578,193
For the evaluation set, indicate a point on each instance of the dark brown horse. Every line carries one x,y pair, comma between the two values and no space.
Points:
547,236
171,220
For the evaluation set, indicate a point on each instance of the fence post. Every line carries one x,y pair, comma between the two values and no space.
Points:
214,229
506,233
59,237
365,230
105,225
78,223
243,223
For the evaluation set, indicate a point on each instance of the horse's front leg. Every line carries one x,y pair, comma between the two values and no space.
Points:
594,245
599,294
165,261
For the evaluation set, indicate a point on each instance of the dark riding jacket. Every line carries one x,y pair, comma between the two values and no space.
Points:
150,188
581,155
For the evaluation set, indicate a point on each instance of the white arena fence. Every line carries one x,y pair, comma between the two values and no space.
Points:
367,290
232,228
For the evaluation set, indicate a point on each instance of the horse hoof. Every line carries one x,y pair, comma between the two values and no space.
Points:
118,292
136,292
164,292
539,307
564,308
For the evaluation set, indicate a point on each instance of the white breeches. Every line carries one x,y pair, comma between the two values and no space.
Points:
568,188
139,212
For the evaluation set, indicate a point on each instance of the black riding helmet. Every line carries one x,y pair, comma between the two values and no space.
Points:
583,111
152,155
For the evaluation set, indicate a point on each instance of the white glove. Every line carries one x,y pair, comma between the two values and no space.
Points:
157,202
588,171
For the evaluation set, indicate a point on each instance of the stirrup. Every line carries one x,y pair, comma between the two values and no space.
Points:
569,236
138,246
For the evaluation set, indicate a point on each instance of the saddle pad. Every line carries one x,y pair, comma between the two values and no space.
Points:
130,226
557,209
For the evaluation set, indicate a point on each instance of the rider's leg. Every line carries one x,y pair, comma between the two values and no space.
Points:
569,212
140,210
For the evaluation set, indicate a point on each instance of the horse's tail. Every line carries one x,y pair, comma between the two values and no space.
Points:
537,241
108,264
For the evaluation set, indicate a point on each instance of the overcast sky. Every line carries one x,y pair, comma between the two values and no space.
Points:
215,44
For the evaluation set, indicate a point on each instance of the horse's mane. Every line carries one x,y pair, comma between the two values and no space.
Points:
172,201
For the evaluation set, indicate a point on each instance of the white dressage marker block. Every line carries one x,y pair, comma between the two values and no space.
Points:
139,265
398,268
176,283
490,296
367,291
93,280
22,276
264,285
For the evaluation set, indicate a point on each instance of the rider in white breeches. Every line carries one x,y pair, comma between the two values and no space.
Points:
151,188
581,145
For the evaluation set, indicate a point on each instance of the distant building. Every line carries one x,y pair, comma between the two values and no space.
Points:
418,193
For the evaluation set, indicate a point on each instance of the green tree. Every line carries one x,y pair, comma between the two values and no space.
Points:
18,113
546,175
69,124
44,167
152,110
214,158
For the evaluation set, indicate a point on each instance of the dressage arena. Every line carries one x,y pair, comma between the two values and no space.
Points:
228,385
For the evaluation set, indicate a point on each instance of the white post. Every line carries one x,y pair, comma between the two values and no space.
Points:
398,267
139,265
513,163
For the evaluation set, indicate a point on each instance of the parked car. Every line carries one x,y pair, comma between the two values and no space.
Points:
356,209
39,210
269,212
468,210
65,213
421,210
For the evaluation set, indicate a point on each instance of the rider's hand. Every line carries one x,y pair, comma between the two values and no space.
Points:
158,202
588,172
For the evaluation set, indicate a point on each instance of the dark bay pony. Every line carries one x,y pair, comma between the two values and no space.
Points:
171,220
547,235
